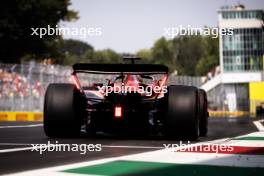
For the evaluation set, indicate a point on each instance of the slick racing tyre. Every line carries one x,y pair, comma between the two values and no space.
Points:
181,121
203,113
61,115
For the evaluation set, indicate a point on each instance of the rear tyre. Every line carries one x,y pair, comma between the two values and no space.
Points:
181,120
61,111
203,113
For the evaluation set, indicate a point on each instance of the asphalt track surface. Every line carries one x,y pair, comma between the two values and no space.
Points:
17,135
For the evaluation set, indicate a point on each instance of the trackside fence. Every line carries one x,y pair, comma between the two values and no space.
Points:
22,86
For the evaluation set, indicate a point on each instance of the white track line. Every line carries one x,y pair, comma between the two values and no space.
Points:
103,146
15,144
131,146
22,126
15,149
258,124
21,149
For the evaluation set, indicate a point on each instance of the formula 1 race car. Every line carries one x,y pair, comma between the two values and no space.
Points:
124,99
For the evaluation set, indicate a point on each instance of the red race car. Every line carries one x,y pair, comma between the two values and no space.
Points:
124,99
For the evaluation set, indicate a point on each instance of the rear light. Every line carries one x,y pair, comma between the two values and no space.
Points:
118,111
76,82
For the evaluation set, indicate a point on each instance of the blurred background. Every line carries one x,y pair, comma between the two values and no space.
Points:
229,68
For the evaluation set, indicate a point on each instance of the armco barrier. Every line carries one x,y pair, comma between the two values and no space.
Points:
21,116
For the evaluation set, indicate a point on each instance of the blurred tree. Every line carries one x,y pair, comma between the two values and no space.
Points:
17,17
206,64
104,56
75,47
146,55
73,51
195,55
162,53
187,51
210,58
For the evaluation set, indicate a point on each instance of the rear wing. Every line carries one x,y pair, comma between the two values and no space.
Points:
120,68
